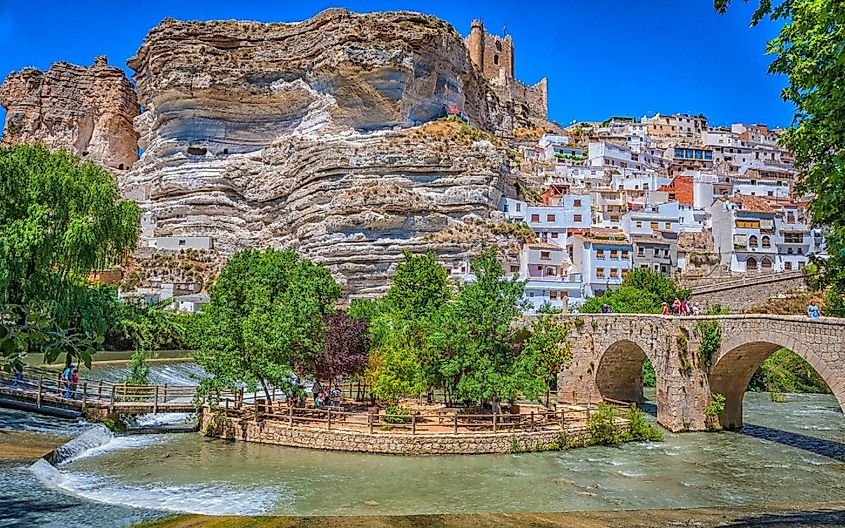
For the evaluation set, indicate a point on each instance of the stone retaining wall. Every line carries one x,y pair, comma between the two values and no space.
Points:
270,432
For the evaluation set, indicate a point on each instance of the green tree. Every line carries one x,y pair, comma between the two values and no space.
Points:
403,362
810,51
60,218
139,372
419,288
474,338
264,322
545,353
642,291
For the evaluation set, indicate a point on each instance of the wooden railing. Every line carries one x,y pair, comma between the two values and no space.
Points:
445,421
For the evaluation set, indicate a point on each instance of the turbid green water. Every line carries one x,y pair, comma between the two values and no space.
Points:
791,452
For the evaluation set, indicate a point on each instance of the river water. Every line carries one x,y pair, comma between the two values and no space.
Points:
789,452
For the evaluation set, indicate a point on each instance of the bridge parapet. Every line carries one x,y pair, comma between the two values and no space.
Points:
609,350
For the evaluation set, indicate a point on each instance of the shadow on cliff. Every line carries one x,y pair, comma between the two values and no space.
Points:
818,446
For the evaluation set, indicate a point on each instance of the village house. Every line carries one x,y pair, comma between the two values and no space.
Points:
603,259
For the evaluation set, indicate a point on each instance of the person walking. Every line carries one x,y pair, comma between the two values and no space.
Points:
74,382
18,368
676,306
67,380
665,309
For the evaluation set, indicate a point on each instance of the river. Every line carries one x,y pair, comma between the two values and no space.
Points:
788,452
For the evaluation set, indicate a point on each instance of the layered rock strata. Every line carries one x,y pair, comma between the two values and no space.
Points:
317,136
87,110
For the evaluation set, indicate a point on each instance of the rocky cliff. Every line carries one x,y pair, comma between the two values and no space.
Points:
318,136
87,110
321,136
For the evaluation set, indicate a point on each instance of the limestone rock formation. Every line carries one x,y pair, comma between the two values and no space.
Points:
87,110
318,136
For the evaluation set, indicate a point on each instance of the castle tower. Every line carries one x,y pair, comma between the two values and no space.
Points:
492,54
475,43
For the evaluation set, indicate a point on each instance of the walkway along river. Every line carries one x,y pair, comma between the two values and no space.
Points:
790,452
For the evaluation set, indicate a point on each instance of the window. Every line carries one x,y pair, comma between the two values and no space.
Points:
518,207
641,252
553,295
767,264
654,225
656,252
577,218
624,253
535,218
614,254
550,218
751,264
600,253
624,273
752,241
639,224
614,218
614,273
793,238
748,224
514,269
600,273
666,253
787,266
767,243
181,242
554,234
551,272
576,203
545,255
496,60
667,225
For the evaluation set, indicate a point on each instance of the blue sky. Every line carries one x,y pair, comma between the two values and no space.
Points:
602,57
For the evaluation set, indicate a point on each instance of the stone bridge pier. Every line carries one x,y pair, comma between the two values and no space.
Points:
609,351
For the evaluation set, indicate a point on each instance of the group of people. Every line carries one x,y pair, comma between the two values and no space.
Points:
322,397
681,307
70,379
325,397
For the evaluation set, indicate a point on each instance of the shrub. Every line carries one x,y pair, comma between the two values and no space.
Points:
602,426
711,340
640,429
713,410
396,414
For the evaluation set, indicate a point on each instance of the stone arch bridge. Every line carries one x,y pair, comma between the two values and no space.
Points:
609,351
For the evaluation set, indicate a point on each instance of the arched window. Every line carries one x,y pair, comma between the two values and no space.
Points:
751,263
499,45
766,263
767,243
752,241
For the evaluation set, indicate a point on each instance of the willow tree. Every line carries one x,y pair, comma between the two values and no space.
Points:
60,218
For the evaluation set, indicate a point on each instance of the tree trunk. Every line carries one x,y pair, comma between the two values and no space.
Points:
267,395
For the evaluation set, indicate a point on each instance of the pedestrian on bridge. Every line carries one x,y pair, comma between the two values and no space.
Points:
813,310
67,380
18,368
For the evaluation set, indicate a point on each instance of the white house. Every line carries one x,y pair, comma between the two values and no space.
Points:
603,260
744,233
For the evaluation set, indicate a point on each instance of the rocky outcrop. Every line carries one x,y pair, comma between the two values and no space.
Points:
87,110
351,201
319,136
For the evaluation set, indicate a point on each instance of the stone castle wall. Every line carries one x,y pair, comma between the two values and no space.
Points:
279,433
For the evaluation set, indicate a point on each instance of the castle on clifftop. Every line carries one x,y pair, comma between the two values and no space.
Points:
494,57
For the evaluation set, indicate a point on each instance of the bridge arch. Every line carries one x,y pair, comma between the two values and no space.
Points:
740,359
619,372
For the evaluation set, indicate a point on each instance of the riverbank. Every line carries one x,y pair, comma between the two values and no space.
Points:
24,446
770,516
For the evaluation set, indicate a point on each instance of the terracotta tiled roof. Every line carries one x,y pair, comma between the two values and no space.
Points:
681,186
753,204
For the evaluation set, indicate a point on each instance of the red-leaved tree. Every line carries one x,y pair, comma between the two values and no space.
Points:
345,347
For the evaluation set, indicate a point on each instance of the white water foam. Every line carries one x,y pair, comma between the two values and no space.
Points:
205,499
157,420
99,440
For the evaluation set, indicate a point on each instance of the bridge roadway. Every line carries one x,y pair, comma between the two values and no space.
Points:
609,351
46,393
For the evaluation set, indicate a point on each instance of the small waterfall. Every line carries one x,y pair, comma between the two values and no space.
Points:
95,437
